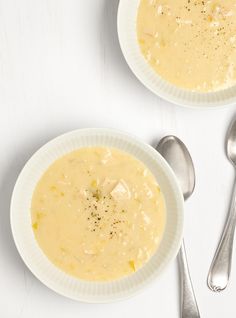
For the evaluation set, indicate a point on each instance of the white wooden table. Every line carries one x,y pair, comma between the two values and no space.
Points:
61,68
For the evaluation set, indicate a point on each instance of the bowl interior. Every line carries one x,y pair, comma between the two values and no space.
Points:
28,247
126,24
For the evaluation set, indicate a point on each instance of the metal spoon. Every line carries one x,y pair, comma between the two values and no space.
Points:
178,157
219,272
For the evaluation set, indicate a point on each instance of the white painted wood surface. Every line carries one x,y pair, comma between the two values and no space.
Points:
61,68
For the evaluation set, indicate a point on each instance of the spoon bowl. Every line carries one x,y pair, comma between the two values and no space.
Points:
176,154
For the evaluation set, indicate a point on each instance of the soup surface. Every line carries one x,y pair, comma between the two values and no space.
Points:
98,213
190,43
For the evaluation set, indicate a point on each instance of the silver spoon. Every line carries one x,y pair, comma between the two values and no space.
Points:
178,157
219,272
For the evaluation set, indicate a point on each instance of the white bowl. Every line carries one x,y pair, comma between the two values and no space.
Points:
29,249
127,15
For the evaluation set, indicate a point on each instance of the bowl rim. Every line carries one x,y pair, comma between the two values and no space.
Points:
108,132
167,94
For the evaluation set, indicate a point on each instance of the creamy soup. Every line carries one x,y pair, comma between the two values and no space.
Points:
190,43
98,213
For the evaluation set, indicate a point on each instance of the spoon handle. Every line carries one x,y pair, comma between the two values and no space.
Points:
189,308
219,272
